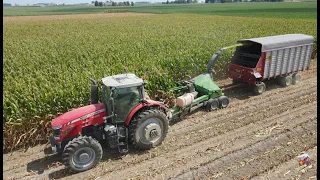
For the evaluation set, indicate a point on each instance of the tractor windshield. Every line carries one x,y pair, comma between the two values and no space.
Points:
125,99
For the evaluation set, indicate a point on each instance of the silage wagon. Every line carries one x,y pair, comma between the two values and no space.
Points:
282,57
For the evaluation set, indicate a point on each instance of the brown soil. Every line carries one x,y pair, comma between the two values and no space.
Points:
256,137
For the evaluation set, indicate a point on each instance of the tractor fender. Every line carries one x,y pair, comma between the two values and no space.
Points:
142,105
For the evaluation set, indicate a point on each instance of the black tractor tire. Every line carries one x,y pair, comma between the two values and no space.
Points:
223,101
236,81
296,78
285,81
259,88
146,124
82,153
212,104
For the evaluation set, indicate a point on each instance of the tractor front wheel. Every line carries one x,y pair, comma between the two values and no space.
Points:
82,153
148,129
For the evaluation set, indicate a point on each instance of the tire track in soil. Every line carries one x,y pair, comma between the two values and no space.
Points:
259,157
172,164
169,146
291,170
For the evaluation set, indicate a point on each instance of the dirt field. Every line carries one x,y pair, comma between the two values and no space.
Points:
256,137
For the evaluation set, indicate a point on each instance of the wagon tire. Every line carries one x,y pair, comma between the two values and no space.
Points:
285,81
259,88
296,78
223,101
212,104
148,129
81,154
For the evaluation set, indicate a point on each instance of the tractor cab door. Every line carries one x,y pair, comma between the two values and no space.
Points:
125,99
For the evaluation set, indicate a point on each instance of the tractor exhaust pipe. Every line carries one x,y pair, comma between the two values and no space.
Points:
94,93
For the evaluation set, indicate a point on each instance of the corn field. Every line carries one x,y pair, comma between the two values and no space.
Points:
48,63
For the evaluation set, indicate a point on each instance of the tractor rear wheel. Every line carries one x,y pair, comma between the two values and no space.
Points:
82,153
296,79
212,104
259,88
236,81
223,101
148,129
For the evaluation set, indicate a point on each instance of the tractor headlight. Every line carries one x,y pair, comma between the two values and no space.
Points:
56,132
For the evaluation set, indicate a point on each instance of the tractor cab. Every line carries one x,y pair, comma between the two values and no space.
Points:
121,94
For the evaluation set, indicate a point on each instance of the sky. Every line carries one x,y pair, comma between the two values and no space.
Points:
25,2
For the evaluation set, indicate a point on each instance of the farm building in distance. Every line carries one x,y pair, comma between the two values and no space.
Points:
6,4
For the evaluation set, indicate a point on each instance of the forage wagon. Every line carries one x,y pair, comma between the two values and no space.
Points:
282,57
124,114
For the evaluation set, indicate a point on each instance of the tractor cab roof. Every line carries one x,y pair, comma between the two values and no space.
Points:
122,81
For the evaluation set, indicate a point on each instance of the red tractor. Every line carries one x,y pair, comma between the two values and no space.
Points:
125,116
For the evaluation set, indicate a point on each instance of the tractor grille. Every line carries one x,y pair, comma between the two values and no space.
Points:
56,132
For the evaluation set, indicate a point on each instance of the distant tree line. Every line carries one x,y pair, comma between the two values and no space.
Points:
180,2
112,3
124,3
229,1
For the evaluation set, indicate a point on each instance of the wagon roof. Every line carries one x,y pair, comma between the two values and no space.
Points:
280,41
122,80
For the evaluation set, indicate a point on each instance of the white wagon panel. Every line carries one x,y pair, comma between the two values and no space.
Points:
285,54
289,60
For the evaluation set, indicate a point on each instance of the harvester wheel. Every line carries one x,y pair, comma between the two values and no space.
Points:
212,104
259,88
296,79
148,129
223,101
82,153
285,81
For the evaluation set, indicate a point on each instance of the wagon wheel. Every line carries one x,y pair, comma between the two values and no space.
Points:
259,88
212,104
82,153
296,78
223,101
148,129
285,81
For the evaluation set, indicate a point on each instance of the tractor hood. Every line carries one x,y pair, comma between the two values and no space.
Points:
78,114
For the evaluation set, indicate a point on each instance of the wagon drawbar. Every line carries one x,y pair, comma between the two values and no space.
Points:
259,59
